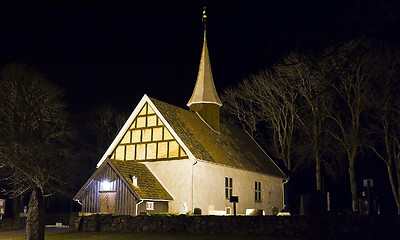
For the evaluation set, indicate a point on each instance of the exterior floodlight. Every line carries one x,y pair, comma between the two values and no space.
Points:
106,185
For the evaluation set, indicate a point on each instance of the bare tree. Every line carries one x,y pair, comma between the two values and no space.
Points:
350,81
386,114
308,76
291,99
274,99
242,109
104,124
34,140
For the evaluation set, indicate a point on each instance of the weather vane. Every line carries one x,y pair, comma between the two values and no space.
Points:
204,18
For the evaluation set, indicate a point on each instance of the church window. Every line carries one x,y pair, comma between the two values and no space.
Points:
228,187
257,191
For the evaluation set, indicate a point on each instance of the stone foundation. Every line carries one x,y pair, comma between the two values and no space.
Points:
336,227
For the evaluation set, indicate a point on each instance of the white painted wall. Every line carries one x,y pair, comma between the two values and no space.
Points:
209,187
176,176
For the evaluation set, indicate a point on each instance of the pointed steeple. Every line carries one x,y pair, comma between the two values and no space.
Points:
205,100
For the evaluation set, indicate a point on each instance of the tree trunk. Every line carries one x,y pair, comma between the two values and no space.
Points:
318,172
16,203
396,193
398,187
36,216
398,205
353,187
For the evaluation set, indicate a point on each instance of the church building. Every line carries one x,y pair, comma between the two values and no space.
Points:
169,159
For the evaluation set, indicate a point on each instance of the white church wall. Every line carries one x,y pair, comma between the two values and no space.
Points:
209,193
176,177
209,187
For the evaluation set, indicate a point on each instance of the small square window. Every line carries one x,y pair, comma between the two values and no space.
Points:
149,205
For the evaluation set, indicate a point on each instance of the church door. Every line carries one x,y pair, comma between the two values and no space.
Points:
107,202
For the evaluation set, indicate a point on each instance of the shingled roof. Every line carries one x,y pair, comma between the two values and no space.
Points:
231,146
148,186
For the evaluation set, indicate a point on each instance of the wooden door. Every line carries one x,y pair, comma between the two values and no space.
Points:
107,202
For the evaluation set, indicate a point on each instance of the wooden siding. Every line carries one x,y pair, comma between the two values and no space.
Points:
124,200
159,207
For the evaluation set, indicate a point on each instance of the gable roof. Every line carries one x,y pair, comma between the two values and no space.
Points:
145,99
231,147
148,185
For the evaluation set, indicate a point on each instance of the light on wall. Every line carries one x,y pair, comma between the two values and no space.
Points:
106,185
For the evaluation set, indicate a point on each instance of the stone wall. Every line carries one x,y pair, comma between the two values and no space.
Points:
337,227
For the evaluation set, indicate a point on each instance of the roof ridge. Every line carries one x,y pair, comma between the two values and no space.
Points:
168,104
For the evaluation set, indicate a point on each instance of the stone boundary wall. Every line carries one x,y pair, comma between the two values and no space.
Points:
336,227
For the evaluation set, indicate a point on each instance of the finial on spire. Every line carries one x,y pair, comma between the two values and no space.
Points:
204,21
204,18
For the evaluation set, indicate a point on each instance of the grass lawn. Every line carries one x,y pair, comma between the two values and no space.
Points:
146,236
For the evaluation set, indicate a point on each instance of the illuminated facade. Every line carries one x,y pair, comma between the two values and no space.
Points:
168,159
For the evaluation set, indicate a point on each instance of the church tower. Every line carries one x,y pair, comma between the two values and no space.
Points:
205,101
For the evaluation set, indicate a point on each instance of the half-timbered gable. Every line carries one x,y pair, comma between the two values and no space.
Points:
146,136
146,139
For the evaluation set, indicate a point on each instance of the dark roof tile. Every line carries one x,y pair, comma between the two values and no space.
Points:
148,186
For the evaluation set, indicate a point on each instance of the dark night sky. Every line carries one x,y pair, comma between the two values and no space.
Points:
118,51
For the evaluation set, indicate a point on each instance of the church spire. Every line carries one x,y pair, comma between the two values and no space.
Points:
204,90
205,100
